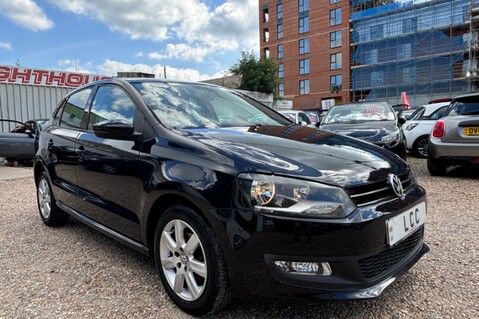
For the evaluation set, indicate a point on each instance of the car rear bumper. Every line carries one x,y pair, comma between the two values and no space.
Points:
460,152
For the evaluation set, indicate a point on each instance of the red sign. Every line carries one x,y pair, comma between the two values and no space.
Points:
19,75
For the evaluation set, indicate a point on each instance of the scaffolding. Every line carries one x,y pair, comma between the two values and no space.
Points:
426,48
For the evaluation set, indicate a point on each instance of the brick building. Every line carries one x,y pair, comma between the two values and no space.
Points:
310,43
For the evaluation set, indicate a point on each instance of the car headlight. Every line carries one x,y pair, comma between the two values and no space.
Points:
287,196
411,126
391,137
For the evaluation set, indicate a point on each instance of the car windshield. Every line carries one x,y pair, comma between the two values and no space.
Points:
196,105
465,106
359,112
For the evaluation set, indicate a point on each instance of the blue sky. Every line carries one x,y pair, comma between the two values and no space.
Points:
193,39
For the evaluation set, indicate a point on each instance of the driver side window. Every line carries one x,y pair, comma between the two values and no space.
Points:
111,103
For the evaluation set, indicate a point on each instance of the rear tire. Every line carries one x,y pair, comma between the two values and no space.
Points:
190,263
436,167
50,214
420,146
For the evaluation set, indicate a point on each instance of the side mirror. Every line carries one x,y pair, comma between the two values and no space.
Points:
114,129
303,123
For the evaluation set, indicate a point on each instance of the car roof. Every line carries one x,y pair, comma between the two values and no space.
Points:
430,108
466,96
138,80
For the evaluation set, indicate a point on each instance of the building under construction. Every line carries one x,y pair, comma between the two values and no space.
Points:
352,50
425,48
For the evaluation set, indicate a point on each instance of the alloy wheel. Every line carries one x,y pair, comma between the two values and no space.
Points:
183,260
422,147
44,198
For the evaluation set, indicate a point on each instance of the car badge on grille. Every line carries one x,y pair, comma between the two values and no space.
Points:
396,185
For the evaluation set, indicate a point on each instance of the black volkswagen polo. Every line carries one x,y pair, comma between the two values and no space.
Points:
229,197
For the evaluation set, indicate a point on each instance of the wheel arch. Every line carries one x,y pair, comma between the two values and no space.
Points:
37,170
158,208
420,138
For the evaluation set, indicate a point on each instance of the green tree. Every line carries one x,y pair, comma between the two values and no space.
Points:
256,75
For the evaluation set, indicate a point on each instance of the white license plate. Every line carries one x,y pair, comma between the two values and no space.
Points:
404,224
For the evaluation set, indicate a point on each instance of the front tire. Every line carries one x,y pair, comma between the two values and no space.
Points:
190,262
436,167
50,214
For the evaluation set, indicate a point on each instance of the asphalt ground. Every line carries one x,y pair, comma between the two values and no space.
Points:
76,272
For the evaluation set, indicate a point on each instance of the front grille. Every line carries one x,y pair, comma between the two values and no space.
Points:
378,264
369,194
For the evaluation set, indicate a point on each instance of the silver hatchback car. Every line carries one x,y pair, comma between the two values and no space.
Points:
454,140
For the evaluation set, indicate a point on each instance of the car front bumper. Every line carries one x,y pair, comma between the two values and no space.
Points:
362,262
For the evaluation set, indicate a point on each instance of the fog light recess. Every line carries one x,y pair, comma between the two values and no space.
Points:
304,267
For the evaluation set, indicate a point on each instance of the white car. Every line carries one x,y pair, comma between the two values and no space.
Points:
419,126
298,117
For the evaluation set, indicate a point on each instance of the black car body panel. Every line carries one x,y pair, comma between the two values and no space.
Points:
122,186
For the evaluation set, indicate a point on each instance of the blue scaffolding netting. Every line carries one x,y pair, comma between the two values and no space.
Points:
410,45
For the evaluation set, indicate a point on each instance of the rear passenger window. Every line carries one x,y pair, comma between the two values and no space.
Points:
74,107
438,113
111,103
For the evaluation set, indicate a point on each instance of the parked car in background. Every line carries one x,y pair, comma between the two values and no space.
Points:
313,116
228,196
440,100
406,114
298,117
417,129
21,143
374,122
401,107
454,139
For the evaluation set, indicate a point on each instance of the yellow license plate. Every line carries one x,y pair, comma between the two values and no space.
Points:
471,131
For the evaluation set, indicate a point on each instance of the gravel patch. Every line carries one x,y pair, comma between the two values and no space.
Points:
76,272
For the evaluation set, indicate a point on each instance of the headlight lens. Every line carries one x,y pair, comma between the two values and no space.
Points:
392,137
287,196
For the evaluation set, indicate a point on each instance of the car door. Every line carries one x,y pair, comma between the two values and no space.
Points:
60,138
108,168
19,142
